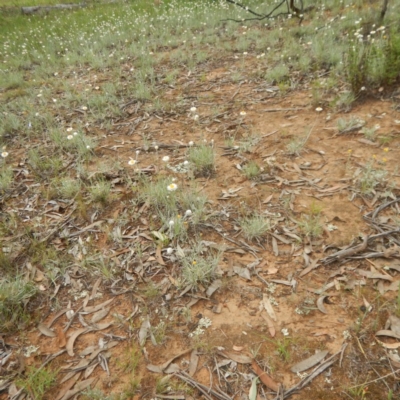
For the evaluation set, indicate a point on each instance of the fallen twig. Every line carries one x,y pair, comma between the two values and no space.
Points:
206,391
304,382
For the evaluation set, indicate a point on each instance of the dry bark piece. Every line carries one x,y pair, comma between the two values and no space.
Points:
264,377
144,329
309,362
45,330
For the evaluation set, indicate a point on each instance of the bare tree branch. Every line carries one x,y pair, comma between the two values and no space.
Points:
291,8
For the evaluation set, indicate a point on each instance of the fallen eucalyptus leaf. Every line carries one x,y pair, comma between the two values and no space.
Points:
320,304
264,377
268,307
99,315
309,362
239,358
45,330
71,340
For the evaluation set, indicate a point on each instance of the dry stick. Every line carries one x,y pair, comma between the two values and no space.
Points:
59,226
72,318
203,389
375,380
282,109
240,244
383,206
322,367
356,249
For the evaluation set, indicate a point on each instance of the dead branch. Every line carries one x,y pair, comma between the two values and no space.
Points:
291,9
37,9
384,9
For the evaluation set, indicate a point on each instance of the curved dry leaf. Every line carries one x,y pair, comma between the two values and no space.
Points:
172,368
88,350
395,359
389,345
100,327
90,369
71,340
367,305
264,377
58,315
253,389
194,360
99,315
375,275
386,332
268,307
67,387
309,362
314,264
68,376
92,309
94,289
45,330
78,388
394,324
320,304
270,324
154,368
